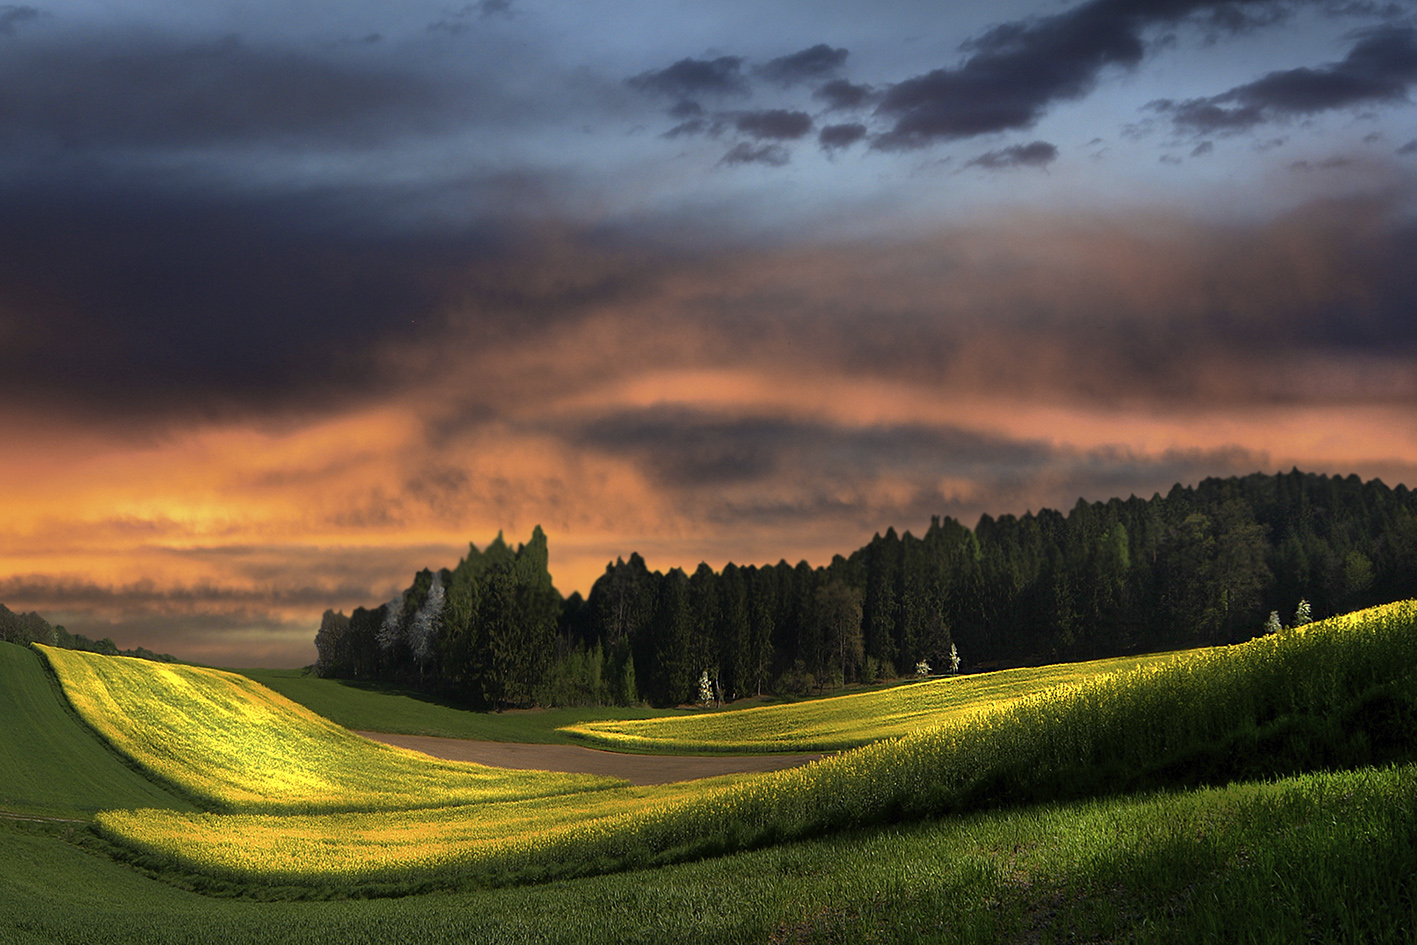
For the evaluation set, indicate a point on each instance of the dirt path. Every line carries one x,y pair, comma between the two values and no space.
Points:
637,769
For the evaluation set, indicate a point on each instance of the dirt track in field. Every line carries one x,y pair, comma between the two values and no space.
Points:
637,769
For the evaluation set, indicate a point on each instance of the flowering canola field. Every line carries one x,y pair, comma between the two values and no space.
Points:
841,722
1143,720
231,744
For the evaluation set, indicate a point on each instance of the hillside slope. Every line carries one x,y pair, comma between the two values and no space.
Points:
51,764
236,745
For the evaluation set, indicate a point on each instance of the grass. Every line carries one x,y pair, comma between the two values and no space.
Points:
1318,857
849,721
395,850
1058,817
383,707
1339,693
231,744
51,764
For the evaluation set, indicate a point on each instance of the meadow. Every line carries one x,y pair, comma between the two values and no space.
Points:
849,721
384,707
1326,857
50,764
232,744
1339,693
1080,812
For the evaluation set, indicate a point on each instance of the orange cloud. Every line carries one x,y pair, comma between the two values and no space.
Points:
745,407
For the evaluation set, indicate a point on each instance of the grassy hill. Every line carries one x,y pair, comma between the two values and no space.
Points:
1336,693
51,763
1073,811
384,707
826,724
1324,857
849,721
233,744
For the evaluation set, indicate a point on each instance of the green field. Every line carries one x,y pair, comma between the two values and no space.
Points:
1080,810
232,744
381,707
1327,857
51,764
827,724
847,721
1334,693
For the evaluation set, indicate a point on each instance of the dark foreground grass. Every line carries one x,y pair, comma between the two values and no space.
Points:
1319,857
51,764
383,707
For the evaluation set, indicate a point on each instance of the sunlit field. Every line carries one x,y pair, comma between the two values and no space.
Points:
232,744
51,765
1317,857
848,721
373,706
1335,694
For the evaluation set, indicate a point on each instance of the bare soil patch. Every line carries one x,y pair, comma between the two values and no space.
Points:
637,769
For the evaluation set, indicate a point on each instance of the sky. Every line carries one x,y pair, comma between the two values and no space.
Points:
297,298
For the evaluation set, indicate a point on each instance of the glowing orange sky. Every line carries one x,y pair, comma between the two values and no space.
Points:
297,300
243,530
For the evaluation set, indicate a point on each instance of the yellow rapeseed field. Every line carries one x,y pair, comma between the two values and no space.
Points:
389,845
1132,721
232,744
848,721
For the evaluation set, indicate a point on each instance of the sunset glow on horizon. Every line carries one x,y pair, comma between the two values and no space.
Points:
293,306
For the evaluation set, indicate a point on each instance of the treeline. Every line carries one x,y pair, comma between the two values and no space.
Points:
32,628
1200,565
485,631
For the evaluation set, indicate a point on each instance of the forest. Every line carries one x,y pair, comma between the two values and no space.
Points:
30,627
1200,565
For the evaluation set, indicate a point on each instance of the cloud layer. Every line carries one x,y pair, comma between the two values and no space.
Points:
293,304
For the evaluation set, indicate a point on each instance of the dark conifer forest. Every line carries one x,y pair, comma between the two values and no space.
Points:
1197,566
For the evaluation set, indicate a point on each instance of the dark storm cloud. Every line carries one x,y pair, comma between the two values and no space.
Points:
772,155
1301,310
694,126
128,297
1017,70
1055,478
1036,154
688,448
809,65
688,78
1389,11
152,91
1379,68
1408,148
11,16
461,20
840,95
778,124
753,470
1237,18
833,137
